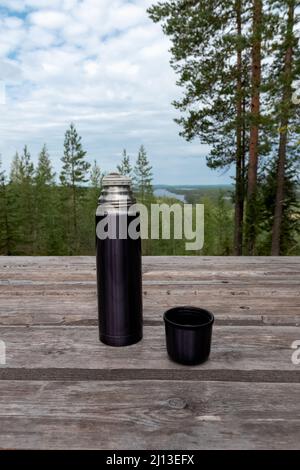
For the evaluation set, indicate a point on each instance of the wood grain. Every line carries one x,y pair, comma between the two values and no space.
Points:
158,415
62,290
233,348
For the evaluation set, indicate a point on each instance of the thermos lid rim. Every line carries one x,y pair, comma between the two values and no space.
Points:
115,179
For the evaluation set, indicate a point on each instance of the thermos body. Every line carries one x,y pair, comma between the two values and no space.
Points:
119,270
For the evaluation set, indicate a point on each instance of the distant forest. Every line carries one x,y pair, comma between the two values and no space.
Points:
42,213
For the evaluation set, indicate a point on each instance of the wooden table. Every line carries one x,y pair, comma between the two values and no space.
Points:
61,388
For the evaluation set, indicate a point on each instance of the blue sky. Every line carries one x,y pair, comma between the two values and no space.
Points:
103,65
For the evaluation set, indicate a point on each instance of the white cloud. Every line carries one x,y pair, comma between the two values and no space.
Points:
49,19
100,63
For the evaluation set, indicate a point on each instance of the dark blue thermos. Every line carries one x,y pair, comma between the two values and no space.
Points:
118,258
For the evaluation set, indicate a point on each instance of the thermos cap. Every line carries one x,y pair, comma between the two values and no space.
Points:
115,179
188,334
116,194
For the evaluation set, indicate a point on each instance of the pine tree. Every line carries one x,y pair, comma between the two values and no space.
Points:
96,177
256,60
11,210
87,220
23,168
44,173
27,191
268,187
143,176
285,71
240,128
75,168
45,205
210,54
94,191
15,169
22,204
73,175
125,167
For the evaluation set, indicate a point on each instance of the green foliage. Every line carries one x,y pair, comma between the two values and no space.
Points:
125,167
75,168
87,214
290,229
143,177
170,247
52,234
218,225
21,202
73,174
44,174
48,235
15,176
3,213
96,176
204,46
36,214
10,215
217,49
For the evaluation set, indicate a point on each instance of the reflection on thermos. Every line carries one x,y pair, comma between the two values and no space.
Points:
119,272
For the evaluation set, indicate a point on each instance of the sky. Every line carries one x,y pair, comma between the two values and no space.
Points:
103,65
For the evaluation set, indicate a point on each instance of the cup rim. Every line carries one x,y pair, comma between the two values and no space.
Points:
198,310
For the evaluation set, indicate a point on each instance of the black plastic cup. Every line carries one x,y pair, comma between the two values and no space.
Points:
188,334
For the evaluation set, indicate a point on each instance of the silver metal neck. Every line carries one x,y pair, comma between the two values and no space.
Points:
116,192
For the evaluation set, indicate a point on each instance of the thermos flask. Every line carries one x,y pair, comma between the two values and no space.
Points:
118,258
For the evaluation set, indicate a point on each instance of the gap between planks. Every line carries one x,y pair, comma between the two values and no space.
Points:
280,321
149,375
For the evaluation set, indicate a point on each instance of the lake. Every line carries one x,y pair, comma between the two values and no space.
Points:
163,192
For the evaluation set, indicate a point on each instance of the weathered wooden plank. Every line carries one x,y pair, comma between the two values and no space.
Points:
62,290
237,348
149,415
195,276
77,304
151,260
180,268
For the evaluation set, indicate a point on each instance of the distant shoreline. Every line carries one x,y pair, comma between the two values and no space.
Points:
192,186
192,193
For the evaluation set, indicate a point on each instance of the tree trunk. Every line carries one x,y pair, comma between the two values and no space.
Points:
254,128
286,104
239,179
